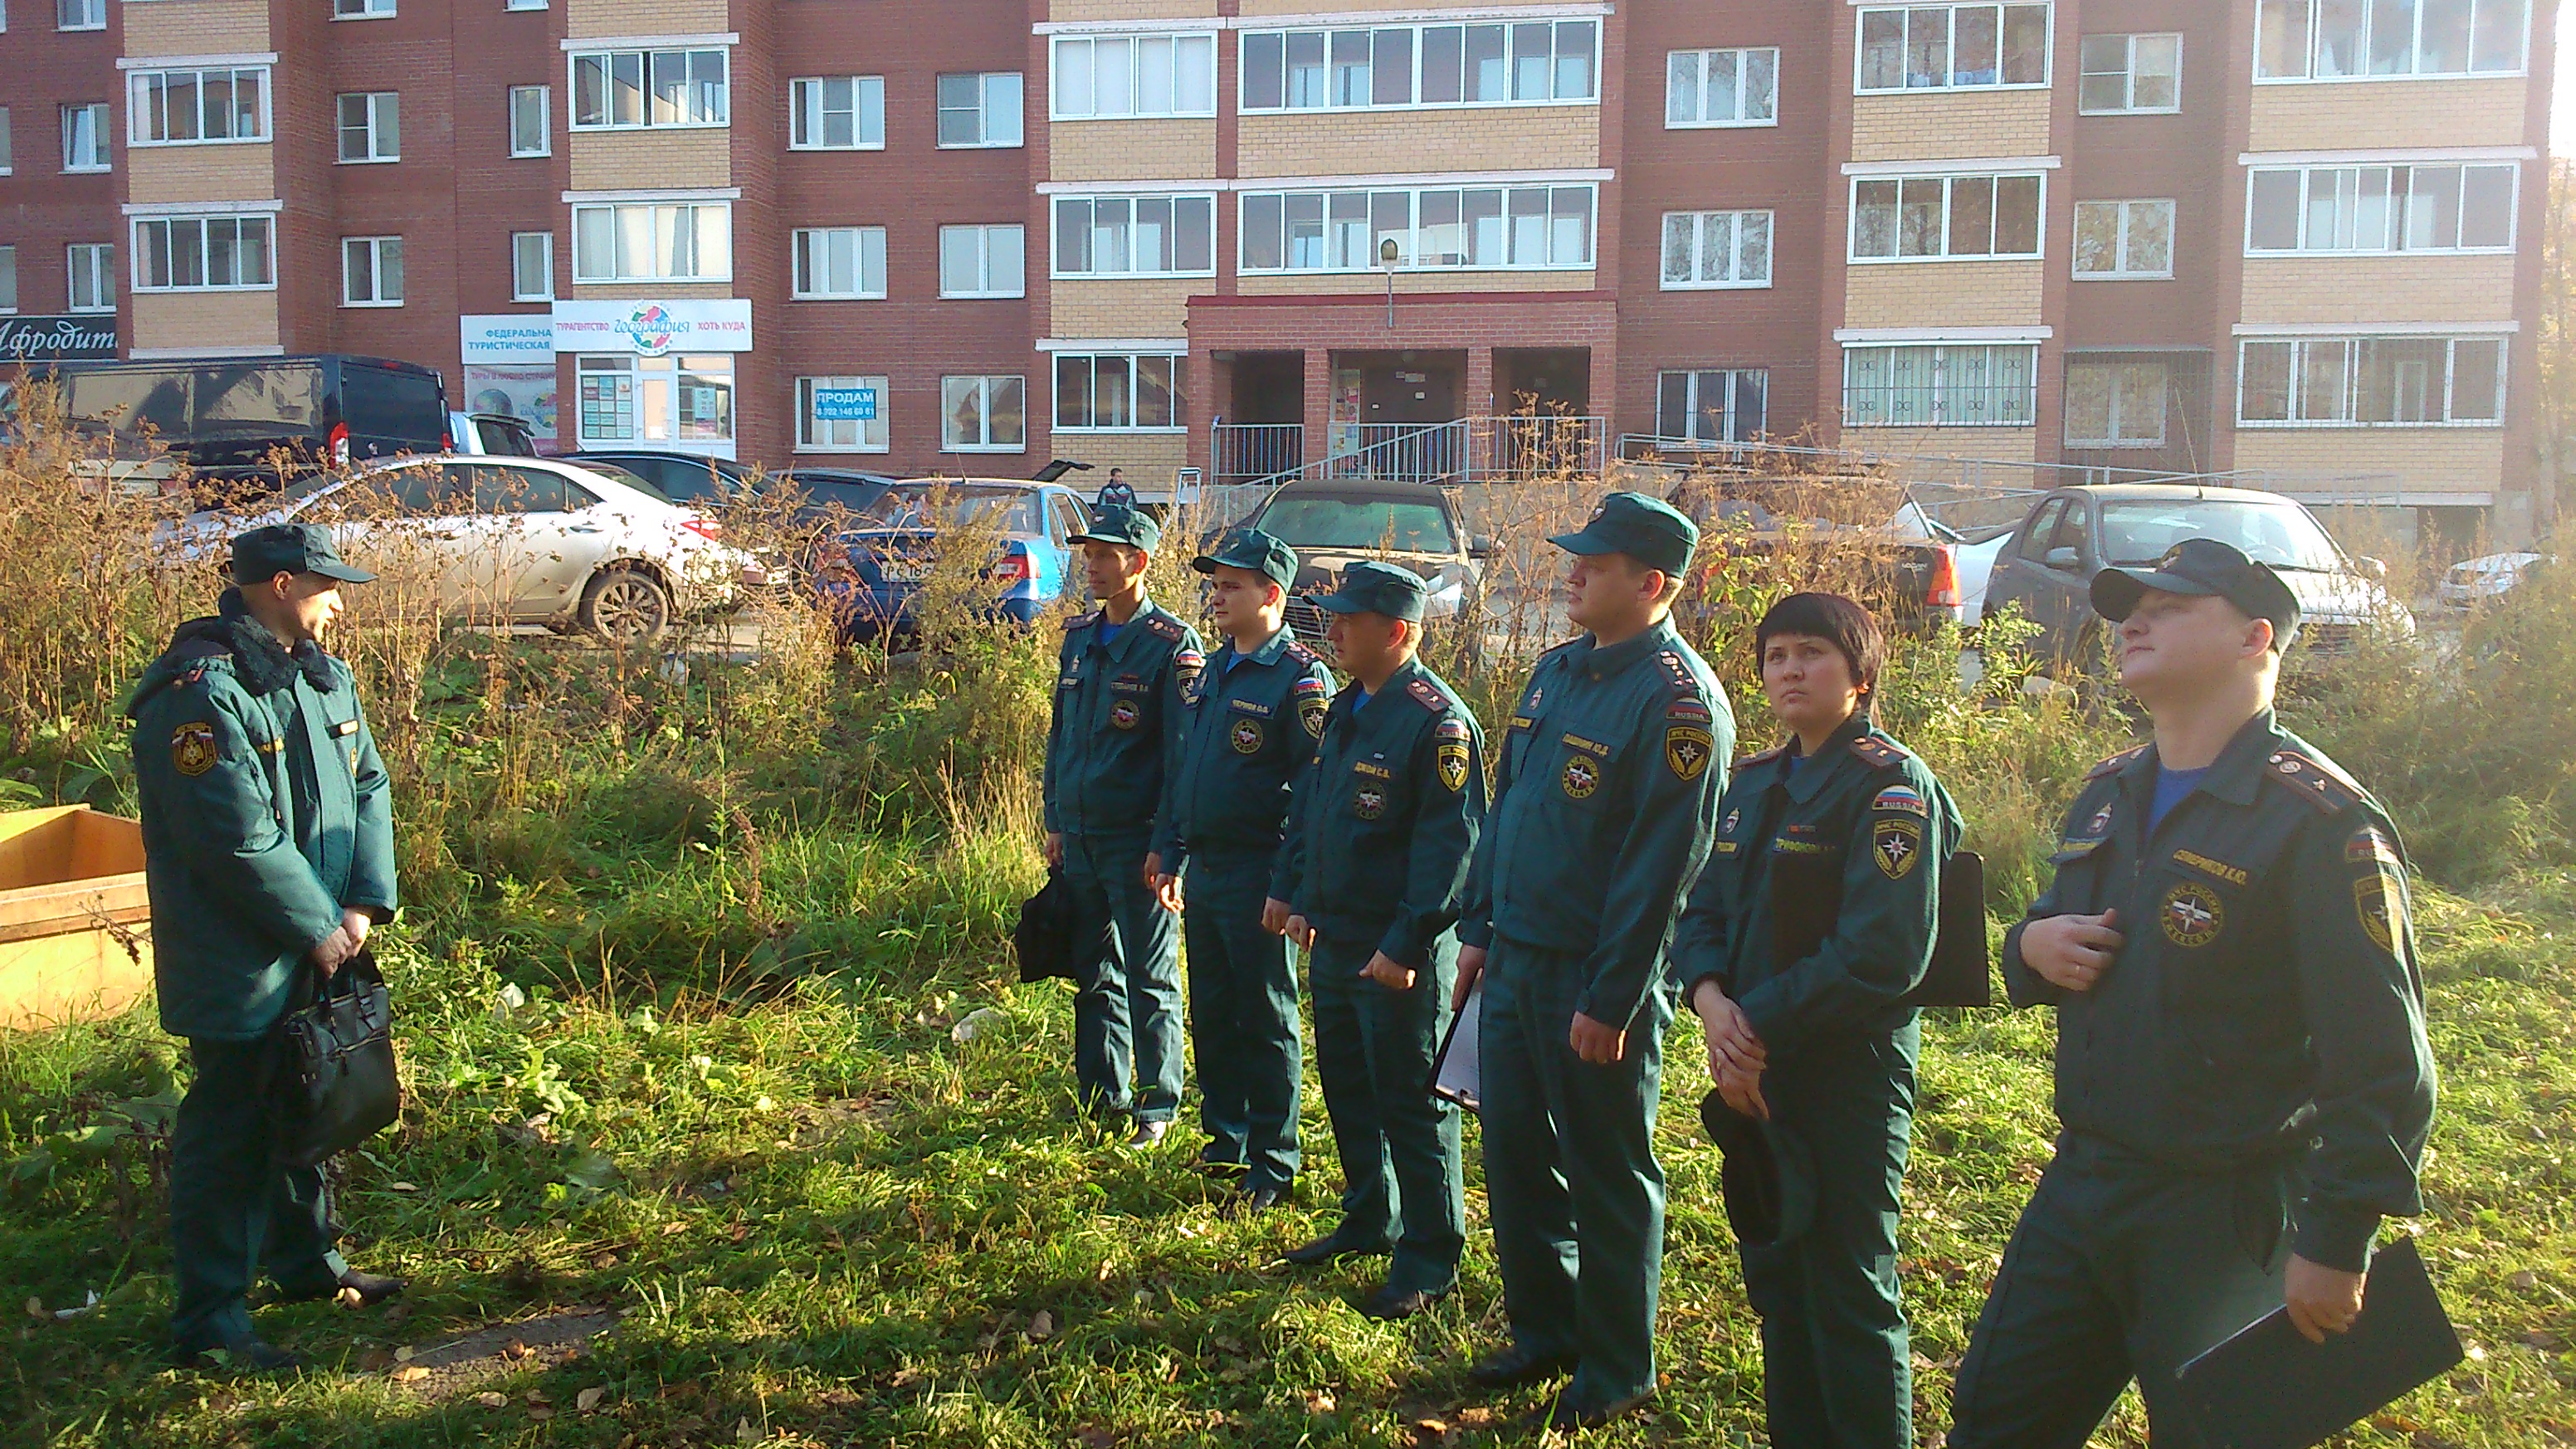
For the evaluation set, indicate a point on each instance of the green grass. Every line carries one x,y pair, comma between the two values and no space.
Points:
826,1221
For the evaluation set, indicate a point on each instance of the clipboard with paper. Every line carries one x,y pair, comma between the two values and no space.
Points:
1454,1076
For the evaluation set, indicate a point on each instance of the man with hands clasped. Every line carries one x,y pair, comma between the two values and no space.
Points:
1370,884
2243,1081
1810,926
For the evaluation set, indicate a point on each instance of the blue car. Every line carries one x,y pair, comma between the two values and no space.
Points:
870,573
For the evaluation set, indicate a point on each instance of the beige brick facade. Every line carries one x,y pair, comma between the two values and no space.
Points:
2350,463
1077,10
1931,124
1170,149
2377,289
160,174
211,320
612,18
671,160
1944,294
198,27
1151,459
1423,283
1346,7
1370,143
1952,455
2366,115
642,291
1142,307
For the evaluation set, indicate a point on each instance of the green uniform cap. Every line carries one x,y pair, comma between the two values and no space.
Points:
291,548
2203,567
1250,548
1370,587
1649,530
1119,523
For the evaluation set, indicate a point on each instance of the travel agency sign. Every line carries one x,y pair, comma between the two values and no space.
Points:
650,329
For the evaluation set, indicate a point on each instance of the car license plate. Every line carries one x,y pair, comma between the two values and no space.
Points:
902,570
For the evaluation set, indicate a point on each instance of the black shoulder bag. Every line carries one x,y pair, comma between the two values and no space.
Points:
336,1085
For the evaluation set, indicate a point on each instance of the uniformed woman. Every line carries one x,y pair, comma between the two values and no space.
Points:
1806,933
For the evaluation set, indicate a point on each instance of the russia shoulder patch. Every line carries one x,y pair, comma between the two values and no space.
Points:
1904,799
1308,685
1689,707
1450,729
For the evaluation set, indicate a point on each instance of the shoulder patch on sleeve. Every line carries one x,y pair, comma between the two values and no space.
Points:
1452,728
1428,697
1903,799
2312,780
1189,659
1166,628
1879,752
2115,764
192,747
1309,685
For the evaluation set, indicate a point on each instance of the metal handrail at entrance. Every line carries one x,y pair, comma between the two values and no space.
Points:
1488,449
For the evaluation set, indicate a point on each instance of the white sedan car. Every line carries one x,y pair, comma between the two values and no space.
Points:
517,540
2475,580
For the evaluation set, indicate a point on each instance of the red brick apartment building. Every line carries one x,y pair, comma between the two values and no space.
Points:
2296,241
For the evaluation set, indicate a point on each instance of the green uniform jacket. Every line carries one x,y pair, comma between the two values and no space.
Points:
266,813
2266,1001
1607,788
1246,732
1385,822
1116,721
1817,910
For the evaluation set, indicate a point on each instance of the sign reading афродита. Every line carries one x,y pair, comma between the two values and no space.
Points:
66,338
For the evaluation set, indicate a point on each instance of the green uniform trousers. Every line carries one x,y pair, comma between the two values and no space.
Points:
1570,1173
1243,1019
1128,1008
2119,1268
1374,1049
233,1209
1836,1366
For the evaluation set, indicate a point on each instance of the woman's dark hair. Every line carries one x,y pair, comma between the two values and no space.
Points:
1836,620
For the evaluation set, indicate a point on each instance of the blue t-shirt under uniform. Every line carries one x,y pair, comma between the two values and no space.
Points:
2171,787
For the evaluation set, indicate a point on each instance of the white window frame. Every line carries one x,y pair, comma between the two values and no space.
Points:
822,435
545,263
8,279
1949,191
2395,220
8,145
991,108
2125,213
1949,33
381,128
140,226
663,219
1133,232
1416,235
98,261
983,387
2128,74
80,14
375,249
1741,227
1702,68
648,63
1292,100
543,97
523,4
362,9
644,375
2302,356
1183,65
1730,421
2117,437
809,108
148,125
102,138
990,244
1942,351
2307,40
811,248
1175,390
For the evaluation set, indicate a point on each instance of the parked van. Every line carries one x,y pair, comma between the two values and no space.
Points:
251,425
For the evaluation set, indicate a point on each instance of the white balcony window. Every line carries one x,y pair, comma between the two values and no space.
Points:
1119,392
1515,228
1722,88
653,242
1934,218
1940,385
1135,236
1706,249
617,90
1111,76
178,107
1952,47
1381,67
2375,210
2370,382
2347,40
204,253
836,113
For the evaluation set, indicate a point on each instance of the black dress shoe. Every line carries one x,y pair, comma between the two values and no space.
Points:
1332,1248
1516,1366
241,1355
1563,1416
1391,1303
371,1288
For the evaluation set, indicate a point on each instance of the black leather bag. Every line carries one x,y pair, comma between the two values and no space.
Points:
1044,936
336,1085
1807,897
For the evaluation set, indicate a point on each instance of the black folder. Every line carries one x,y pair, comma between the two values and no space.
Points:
1807,896
2268,1388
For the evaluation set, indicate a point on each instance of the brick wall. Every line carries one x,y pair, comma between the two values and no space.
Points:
1149,458
199,27
1174,148
2349,460
1341,7
2378,289
244,172
1952,455
1423,283
1069,10
1136,307
1950,123
657,160
612,18
2361,115
206,319
1365,143
1945,294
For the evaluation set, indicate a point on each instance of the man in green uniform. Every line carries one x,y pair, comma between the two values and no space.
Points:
1119,678
1810,927
2243,1083
1373,876
1247,728
1602,807
269,851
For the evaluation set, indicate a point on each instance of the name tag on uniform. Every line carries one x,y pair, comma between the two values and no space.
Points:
2235,875
345,727
1590,747
1249,707
1363,767
1129,684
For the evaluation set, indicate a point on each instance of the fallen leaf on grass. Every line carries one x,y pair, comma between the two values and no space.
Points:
410,1375
1318,1402
491,1399
2523,1282
1475,1416
588,1399
403,1354
669,1228
36,1311
1429,1431
406,1187
350,1298
516,1350
1041,1327
540,1412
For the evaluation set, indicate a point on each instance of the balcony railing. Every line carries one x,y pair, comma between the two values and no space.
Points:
1463,450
